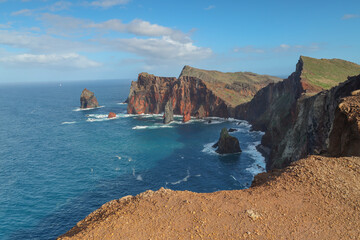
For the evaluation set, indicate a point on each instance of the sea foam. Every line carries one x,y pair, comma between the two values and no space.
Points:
259,165
86,109
152,127
66,123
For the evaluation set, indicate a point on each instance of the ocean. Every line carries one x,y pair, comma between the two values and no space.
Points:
59,163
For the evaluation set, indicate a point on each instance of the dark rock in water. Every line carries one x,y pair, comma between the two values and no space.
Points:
209,121
112,115
169,114
227,143
88,99
232,130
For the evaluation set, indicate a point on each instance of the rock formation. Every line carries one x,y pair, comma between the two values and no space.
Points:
194,95
297,122
112,115
88,99
186,117
234,88
227,143
168,113
189,95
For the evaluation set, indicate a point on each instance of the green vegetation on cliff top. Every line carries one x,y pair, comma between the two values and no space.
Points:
212,76
233,87
327,73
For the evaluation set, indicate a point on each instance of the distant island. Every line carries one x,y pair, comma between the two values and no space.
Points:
311,122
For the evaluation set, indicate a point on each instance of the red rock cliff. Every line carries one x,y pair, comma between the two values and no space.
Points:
189,94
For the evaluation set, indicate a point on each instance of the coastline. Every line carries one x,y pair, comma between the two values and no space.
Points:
306,200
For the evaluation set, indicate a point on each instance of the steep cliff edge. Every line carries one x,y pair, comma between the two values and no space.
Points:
198,92
323,126
314,198
295,119
232,87
150,94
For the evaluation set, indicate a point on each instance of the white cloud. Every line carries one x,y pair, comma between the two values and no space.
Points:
6,25
210,7
59,6
350,16
297,48
24,12
140,27
37,43
163,49
68,60
108,3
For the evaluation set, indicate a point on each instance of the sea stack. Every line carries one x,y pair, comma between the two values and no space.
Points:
227,143
112,115
169,114
88,99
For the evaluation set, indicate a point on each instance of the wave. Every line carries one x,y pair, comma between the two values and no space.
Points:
138,177
209,149
86,109
152,127
102,117
63,123
122,103
181,180
259,165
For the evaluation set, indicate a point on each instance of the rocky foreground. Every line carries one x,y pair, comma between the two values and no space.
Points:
314,198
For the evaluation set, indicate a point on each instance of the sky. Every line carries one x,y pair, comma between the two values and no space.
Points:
58,41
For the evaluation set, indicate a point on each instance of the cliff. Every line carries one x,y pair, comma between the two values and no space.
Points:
314,198
297,118
150,94
323,126
232,87
198,92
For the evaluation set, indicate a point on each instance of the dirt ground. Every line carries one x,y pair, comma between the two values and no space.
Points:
314,198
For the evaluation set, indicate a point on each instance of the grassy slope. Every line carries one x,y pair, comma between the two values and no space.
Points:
327,73
222,84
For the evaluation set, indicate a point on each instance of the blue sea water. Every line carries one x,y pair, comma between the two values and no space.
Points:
58,164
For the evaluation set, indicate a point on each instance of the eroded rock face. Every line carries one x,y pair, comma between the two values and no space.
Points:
295,121
188,95
186,117
88,99
168,113
112,115
344,139
227,143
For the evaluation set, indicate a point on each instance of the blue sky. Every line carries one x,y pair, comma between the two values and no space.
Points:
44,40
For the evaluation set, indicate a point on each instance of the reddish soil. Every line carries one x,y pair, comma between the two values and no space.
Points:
314,198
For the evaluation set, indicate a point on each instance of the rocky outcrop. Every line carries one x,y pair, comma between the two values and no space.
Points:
234,87
169,114
188,95
227,143
88,99
314,198
295,121
323,126
112,115
344,138
186,117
